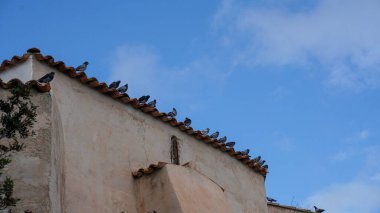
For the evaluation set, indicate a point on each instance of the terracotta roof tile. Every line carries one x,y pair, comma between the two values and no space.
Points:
146,171
124,98
32,84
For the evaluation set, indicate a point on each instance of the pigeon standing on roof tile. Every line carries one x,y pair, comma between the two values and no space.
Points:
143,99
245,152
47,78
214,135
271,200
82,67
265,166
262,162
123,89
230,144
173,113
152,103
256,159
205,131
114,85
187,121
222,139
318,210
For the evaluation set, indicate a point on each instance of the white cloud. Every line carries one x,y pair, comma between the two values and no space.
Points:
355,196
341,36
341,156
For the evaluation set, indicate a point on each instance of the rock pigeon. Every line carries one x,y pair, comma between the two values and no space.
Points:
123,89
47,78
222,139
187,121
143,99
265,166
214,135
318,210
256,159
82,67
173,113
205,131
262,162
245,152
230,144
271,200
114,85
152,103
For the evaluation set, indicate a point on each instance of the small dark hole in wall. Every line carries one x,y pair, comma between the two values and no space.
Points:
174,150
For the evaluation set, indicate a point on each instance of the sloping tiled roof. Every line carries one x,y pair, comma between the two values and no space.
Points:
292,208
146,171
32,84
124,98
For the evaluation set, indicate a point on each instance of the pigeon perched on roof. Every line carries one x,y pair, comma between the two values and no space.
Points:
245,152
187,121
214,135
230,144
271,200
152,103
123,89
205,131
82,67
262,162
265,166
143,99
47,78
173,113
318,210
256,159
222,139
114,85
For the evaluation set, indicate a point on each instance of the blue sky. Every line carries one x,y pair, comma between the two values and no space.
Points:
295,81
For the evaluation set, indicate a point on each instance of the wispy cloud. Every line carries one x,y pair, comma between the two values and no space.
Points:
339,37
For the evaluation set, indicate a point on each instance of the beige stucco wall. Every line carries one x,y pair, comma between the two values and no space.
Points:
31,168
179,189
99,142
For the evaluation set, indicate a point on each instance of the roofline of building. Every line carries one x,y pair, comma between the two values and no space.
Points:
289,207
103,88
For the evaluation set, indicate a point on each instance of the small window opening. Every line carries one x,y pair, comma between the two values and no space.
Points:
174,151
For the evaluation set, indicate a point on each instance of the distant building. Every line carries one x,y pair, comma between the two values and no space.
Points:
100,151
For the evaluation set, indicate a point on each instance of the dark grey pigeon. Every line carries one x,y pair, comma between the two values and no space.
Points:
318,210
152,103
271,200
47,78
82,67
245,152
222,139
230,144
205,131
214,135
262,162
187,121
114,85
123,89
173,113
265,166
256,159
143,99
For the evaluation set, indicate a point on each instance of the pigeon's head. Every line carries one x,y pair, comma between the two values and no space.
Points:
52,74
86,63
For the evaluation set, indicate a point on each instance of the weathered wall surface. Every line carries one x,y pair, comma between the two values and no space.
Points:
179,189
276,208
98,142
30,168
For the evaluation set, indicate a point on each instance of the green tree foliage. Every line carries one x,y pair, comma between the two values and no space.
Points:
17,118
